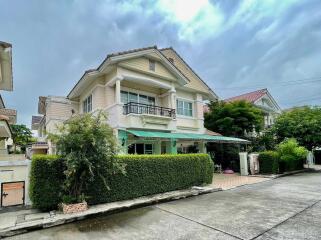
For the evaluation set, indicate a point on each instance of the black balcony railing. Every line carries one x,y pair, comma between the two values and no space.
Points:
139,108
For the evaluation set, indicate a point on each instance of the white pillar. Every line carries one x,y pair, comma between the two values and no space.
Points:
117,92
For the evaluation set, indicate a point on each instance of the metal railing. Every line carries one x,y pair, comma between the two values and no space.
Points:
140,108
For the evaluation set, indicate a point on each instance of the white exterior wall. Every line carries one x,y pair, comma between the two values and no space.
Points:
134,76
13,171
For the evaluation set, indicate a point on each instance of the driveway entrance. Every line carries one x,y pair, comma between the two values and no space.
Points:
228,181
12,193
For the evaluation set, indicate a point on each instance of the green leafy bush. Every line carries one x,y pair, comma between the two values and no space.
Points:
269,162
88,146
151,174
145,175
292,156
289,156
46,180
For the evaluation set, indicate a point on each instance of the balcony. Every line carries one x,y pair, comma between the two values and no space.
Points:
139,108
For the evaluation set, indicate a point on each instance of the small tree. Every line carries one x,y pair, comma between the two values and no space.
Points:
233,119
89,147
21,136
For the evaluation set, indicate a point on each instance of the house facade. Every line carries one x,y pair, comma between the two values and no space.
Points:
153,99
263,100
14,168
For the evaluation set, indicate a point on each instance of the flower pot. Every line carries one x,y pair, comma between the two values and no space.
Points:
74,208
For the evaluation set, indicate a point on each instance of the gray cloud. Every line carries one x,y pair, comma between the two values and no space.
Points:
54,42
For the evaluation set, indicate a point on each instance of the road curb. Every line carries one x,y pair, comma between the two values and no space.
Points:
59,218
275,176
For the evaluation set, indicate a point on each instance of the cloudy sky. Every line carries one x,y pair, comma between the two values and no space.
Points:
235,46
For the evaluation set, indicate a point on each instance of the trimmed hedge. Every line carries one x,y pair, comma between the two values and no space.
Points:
145,175
269,162
46,180
151,174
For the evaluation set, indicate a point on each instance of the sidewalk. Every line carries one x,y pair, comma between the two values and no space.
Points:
17,222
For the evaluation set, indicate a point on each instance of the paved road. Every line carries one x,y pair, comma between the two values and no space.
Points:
286,208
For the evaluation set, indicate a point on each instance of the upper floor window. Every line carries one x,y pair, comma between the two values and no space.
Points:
152,65
127,97
87,104
184,108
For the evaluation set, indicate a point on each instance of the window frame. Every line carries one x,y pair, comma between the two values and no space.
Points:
87,104
150,99
184,108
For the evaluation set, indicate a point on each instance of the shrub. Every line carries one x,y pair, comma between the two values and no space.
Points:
292,156
46,179
269,162
151,174
145,175
88,146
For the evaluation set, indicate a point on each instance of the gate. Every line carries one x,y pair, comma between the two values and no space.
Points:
12,193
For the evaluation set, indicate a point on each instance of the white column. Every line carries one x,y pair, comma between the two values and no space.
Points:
172,95
117,92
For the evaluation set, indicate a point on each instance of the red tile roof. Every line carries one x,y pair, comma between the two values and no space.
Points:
249,97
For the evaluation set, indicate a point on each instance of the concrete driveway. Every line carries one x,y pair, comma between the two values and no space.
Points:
285,208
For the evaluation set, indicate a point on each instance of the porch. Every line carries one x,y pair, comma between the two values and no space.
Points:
134,141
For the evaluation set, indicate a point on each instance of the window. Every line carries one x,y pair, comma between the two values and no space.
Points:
140,148
171,60
152,65
87,104
184,108
133,97
127,97
124,96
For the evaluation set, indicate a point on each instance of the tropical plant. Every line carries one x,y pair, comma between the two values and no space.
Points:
88,147
291,155
234,118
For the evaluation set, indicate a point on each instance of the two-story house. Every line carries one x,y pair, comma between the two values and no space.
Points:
153,99
263,100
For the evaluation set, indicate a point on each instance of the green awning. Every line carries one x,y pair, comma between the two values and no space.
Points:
186,136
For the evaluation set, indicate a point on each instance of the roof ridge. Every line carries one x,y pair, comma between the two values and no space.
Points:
243,94
131,51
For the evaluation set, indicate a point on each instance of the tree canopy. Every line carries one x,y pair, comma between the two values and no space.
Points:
233,119
303,124
21,135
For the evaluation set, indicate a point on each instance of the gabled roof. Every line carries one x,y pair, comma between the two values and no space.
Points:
190,68
114,57
249,97
254,97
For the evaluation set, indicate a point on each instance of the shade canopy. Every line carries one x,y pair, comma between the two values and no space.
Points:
186,136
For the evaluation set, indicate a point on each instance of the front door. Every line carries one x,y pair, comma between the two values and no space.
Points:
12,194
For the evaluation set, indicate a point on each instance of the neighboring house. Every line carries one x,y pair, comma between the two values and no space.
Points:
13,168
154,102
263,100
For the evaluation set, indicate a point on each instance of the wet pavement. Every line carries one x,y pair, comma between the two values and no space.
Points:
285,208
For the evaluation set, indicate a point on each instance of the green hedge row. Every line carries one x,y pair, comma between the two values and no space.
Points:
274,162
145,175
46,180
269,162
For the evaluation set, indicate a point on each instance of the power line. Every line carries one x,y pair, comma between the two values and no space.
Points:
304,100
284,83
